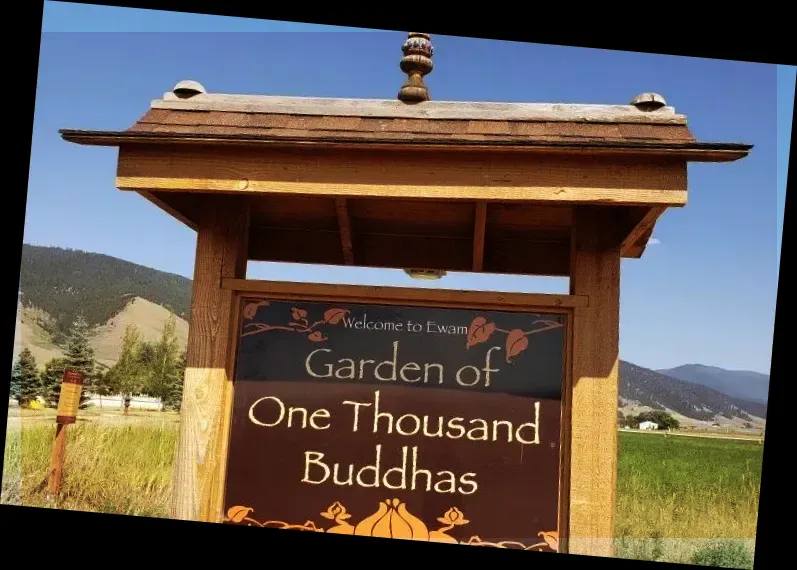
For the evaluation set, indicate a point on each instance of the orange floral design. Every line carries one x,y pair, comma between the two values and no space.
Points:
393,520
517,341
453,517
298,322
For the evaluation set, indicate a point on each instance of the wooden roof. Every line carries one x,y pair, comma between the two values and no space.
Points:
247,119
439,185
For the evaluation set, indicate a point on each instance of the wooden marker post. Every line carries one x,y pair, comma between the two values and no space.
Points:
68,404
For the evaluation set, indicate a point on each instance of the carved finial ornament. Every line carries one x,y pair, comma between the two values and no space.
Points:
416,63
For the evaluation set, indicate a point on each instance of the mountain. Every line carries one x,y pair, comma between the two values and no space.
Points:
60,283
57,284
752,386
658,391
106,340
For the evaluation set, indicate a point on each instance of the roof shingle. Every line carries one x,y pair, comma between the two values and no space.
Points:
322,127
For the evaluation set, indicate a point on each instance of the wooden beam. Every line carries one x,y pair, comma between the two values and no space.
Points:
526,257
638,249
479,229
683,152
518,256
400,295
204,416
344,224
413,175
413,217
176,212
415,251
636,239
593,406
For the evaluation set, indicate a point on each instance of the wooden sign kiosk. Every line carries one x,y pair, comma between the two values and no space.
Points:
515,188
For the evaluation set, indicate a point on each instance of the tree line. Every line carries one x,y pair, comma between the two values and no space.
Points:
663,419
144,368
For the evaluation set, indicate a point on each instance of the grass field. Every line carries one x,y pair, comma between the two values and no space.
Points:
675,495
692,489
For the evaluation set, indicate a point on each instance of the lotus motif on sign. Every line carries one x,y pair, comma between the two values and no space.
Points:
392,520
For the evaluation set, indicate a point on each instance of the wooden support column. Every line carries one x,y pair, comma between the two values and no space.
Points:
595,271
222,238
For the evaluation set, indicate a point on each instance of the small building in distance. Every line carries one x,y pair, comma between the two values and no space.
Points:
648,425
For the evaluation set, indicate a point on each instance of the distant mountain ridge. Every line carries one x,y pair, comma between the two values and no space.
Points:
744,384
57,284
659,391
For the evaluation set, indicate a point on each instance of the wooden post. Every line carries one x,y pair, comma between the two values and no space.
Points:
222,240
595,271
57,461
68,405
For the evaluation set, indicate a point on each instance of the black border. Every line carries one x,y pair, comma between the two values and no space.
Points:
661,28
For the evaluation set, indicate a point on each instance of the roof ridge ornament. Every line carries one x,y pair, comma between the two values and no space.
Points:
188,88
648,102
416,63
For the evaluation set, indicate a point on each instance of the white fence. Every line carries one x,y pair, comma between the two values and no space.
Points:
118,402
112,402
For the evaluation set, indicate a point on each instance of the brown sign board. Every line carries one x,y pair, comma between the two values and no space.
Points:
426,423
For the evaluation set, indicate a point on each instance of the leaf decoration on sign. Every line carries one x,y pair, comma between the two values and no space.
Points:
335,316
551,539
317,336
480,331
298,322
250,310
516,342
238,514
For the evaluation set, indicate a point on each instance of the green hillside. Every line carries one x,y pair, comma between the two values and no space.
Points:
65,282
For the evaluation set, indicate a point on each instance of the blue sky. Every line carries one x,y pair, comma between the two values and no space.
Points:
704,294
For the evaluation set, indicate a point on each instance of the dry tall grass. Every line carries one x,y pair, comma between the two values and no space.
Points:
123,469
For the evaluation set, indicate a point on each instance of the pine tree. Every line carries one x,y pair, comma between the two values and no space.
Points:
51,378
80,355
25,380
